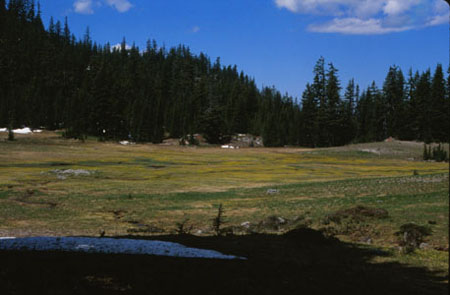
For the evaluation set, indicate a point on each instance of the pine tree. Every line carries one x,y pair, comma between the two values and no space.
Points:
348,123
309,125
438,112
333,110
423,91
393,97
426,156
2,9
319,87
213,125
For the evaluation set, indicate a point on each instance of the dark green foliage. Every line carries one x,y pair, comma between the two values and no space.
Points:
437,153
426,153
51,79
214,127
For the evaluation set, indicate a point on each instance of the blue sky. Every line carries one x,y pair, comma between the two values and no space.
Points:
276,41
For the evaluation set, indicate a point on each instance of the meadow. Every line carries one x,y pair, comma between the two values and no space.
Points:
148,190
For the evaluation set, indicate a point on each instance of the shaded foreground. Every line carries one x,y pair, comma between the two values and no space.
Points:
302,261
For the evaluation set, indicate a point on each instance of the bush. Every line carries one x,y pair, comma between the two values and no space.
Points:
218,221
183,228
411,236
438,154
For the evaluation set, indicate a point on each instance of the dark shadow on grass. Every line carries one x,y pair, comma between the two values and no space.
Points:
298,262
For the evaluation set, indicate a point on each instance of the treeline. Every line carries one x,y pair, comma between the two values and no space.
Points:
51,79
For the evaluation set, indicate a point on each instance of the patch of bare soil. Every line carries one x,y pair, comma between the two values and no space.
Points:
358,213
27,198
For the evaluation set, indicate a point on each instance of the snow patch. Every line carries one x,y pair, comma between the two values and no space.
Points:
109,245
229,147
374,151
126,142
25,130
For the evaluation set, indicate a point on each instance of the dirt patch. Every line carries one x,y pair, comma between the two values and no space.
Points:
118,214
145,229
28,198
358,213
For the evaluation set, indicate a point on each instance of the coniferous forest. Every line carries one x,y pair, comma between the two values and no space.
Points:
51,79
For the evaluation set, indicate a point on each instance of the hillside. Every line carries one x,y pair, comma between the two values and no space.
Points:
51,79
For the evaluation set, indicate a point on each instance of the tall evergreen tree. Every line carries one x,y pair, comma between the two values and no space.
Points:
348,120
50,78
319,87
423,91
309,122
439,118
334,116
393,98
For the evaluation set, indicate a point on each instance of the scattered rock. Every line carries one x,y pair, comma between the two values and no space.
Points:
272,191
246,224
411,236
424,246
272,223
366,240
246,140
63,174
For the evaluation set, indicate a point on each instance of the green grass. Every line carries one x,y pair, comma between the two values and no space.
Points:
160,186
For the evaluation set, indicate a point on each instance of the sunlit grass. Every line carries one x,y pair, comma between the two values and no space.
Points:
132,186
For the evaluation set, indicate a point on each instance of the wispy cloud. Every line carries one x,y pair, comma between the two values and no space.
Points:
120,5
356,26
83,6
87,6
370,16
195,29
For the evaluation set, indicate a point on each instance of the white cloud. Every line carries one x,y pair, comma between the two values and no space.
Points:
440,7
438,20
83,6
366,8
118,47
394,7
195,29
369,16
355,26
120,5
87,6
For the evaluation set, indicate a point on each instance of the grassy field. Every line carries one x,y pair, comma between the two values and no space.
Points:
147,190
